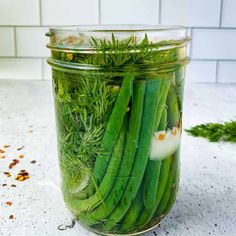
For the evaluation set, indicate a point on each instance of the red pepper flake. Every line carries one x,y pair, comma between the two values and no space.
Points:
14,162
13,185
20,148
2,151
11,217
4,185
7,174
6,146
2,156
22,176
33,162
9,203
21,156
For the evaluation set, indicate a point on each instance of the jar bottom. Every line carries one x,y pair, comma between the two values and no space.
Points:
126,234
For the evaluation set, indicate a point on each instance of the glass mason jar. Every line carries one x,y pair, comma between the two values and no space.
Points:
118,100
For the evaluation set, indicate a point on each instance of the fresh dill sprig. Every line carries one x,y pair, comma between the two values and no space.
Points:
122,53
81,104
215,132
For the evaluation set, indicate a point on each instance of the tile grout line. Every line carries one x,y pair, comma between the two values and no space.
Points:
191,47
99,12
195,27
42,69
221,13
159,11
213,59
217,72
40,12
15,42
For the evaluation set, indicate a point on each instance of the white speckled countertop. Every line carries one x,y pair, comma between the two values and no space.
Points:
206,203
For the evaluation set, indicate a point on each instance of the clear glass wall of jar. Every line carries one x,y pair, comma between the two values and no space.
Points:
118,99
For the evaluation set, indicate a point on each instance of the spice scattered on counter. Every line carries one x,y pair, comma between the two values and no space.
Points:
64,227
7,174
20,148
30,131
22,175
13,163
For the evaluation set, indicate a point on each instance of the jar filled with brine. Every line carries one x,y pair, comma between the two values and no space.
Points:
118,93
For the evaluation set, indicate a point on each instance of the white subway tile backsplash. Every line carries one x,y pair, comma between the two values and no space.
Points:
73,12
228,13
31,42
20,68
214,44
7,45
201,72
227,72
191,12
26,41
47,72
129,12
23,12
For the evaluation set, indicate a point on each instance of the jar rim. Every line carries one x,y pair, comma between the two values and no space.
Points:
79,37
117,28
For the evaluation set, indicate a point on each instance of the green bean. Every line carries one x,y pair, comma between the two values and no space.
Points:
173,117
168,189
173,108
163,121
162,103
147,215
110,136
107,182
180,74
142,154
128,222
121,180
175,186
153,167
152,179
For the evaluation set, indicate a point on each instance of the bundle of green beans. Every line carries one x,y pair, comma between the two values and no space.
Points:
106,126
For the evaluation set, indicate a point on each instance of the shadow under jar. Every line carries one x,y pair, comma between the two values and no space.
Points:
118,100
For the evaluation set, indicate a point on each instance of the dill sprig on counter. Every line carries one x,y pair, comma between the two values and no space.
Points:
215,132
